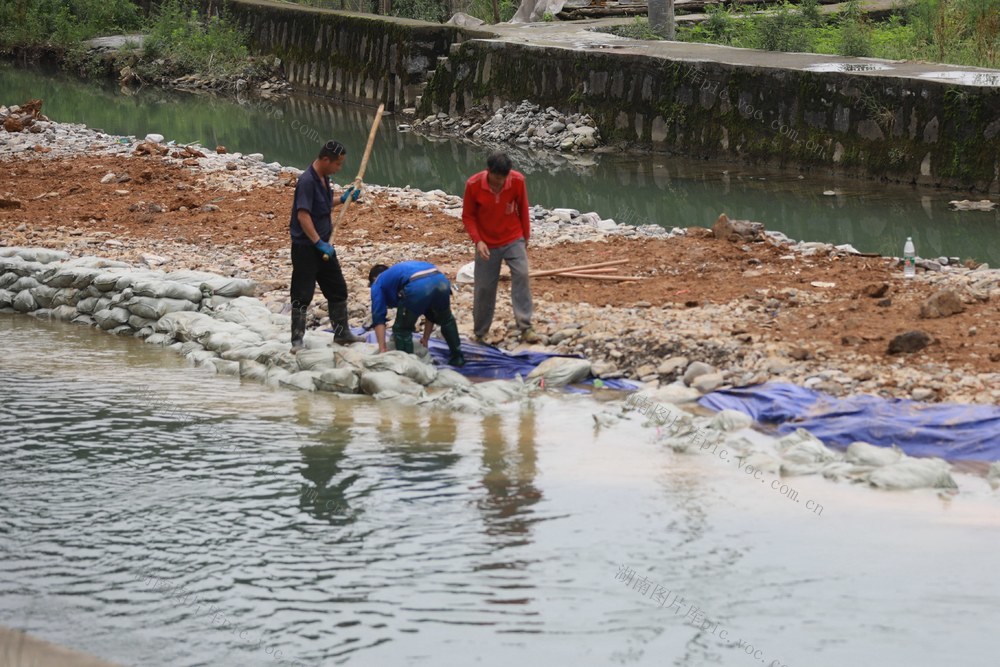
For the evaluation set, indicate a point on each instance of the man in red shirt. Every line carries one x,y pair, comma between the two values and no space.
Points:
497,218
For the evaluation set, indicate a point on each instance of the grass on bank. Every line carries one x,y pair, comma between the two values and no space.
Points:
960,32
179,40
436,11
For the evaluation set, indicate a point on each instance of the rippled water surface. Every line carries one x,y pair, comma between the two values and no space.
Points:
153,514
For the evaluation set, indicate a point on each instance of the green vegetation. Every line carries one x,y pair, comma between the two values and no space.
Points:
962,32
210,46
435,11
63,23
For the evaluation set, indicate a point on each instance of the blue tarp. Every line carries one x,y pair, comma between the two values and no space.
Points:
484,361
950,431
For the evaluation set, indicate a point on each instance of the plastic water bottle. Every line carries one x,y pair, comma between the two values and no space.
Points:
909,259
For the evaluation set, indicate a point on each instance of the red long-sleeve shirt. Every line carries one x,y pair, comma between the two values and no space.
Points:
496,219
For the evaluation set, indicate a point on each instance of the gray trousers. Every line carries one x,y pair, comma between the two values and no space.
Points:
487,275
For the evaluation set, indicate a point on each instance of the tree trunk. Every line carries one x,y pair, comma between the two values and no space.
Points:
496,11
661,18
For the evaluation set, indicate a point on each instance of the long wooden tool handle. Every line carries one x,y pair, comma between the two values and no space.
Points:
550,272
364,162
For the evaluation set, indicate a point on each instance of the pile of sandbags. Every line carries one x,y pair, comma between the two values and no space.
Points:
214,322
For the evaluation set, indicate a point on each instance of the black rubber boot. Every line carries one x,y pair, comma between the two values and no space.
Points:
298,326
450,332
341,328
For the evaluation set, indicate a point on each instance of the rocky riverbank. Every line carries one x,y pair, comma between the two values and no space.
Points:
715,308
525,125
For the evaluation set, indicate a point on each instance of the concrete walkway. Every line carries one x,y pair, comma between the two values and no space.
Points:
19,649
580,35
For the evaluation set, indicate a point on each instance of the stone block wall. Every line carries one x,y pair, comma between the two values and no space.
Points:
358,58
882,126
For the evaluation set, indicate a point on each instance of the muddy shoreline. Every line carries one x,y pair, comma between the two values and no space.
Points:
772,309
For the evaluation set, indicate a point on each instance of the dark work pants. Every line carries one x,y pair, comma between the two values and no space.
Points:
308,269
430,295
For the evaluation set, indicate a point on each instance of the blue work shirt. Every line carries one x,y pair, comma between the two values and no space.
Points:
386,288
313,194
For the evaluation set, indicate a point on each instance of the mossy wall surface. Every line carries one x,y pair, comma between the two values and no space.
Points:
871,125
355,57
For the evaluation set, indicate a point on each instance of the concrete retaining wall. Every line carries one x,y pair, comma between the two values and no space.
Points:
354,57
896,128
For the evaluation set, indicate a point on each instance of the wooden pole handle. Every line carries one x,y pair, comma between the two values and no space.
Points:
364,163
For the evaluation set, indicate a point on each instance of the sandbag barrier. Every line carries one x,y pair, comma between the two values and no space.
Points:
215,322
771,461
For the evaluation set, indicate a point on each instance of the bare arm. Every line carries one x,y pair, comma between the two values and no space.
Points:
380,337
428,328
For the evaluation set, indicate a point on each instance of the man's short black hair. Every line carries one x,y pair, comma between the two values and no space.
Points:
376,271
499,163
332,150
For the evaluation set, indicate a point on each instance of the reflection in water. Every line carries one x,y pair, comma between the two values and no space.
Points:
636,189
509,478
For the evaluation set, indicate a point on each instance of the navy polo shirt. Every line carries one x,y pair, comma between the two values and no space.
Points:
313,194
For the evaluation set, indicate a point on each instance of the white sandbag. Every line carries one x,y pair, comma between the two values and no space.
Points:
137,323
911,473
23,283
98,263
253,370
144,332
8,279
84,319
24,302
317,340
303,380
180,324
353,356
214,283
560,371
64,313
6,298
20,267
730,420
315,360
802,447
121,330
130,278
466,274
253,352
159,339
993,475
43,295
68,276
88,305
387,384
450,379
223,367
403,364
214,302
109,318
42,313
200,357
759,461
165,289
223,341
41,255
67,296
495,392
861,453
153,309
107,281
275,375
120,298
340,380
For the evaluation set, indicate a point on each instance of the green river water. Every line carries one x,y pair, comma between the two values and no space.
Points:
636,189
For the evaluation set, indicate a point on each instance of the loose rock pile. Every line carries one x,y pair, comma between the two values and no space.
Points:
525,124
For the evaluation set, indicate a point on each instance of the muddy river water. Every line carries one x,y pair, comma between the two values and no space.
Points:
154,514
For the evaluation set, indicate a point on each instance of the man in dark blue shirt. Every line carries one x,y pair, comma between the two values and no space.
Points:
313,258
413,289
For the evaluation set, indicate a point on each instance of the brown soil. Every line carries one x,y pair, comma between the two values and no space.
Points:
689,271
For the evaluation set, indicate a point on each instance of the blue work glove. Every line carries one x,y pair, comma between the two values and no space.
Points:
352,192
326,249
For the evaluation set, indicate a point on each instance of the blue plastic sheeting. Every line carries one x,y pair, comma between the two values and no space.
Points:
950,431
484,361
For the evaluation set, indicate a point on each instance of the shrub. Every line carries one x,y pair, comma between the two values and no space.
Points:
782,30
208,45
